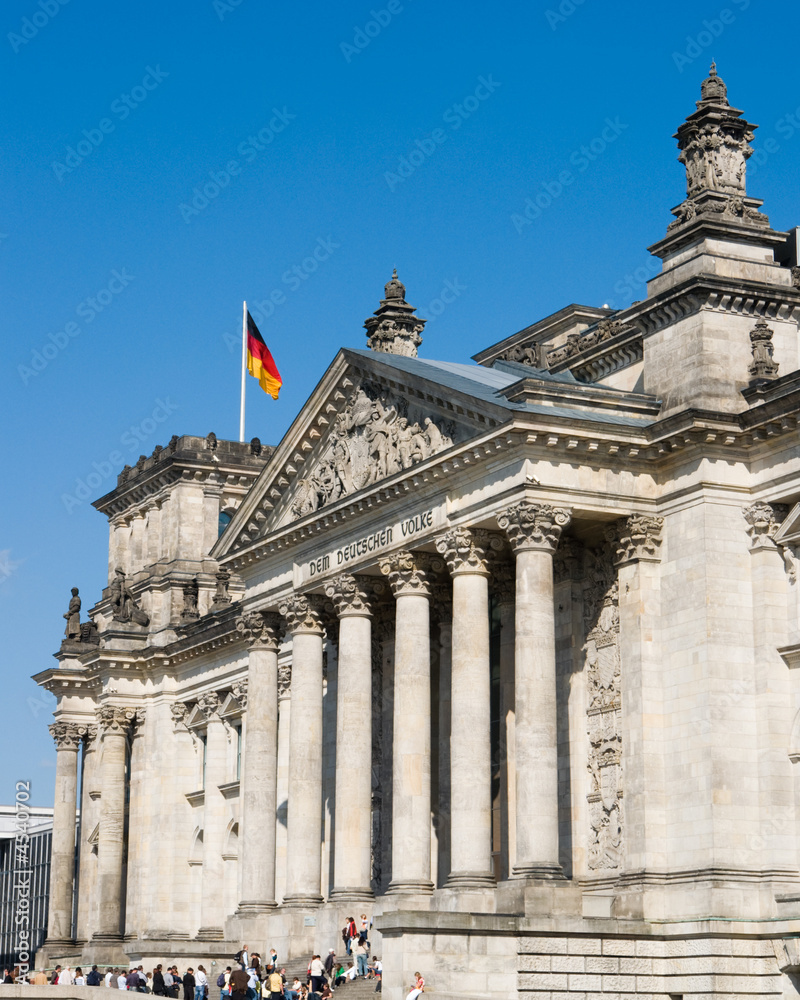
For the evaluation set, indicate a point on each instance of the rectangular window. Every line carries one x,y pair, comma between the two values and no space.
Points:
239,752
204,741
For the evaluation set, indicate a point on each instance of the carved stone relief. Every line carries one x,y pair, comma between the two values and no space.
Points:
373,437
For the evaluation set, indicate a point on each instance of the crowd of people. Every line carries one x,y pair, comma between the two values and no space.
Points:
248,978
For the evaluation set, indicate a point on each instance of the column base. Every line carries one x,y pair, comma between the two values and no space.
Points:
546,870
210,934
357,895
106,949
252,908
298,899
398,887
470,880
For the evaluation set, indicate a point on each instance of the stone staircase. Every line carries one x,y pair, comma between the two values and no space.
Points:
358,989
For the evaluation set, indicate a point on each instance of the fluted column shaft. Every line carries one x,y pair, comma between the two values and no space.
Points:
258,796
534,531
470,728
353,817
62,866
115,723
411,758
214,814
304,857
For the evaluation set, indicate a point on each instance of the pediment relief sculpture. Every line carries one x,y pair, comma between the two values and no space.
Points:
376,435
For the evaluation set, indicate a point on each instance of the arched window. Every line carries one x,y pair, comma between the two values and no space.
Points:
224,520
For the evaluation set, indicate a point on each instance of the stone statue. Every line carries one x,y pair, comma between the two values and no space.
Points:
124,607
221,596
73,617
191,593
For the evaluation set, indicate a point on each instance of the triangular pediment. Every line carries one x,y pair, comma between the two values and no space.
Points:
372,420
789,531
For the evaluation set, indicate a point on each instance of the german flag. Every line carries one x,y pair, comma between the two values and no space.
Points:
259,361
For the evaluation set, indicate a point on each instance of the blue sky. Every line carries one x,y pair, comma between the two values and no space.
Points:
161,162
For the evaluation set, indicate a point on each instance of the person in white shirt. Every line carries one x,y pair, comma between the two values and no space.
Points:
352,973
122,981
108,977
65,977
80,979
200,983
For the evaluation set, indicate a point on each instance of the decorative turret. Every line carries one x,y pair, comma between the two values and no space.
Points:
393,328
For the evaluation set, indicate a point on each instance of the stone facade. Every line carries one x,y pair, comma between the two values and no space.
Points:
502,653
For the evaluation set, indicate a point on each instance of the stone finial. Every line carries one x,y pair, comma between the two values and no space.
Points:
713,89
534,525
191,593
351,595
255,446
221,596
637,539
466,550
67,735
762,367
410,572
763,521
261,628
304,613
393,328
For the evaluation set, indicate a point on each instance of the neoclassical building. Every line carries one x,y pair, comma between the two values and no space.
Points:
500,653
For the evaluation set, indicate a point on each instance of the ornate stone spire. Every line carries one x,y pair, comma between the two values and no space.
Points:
714,144
393,328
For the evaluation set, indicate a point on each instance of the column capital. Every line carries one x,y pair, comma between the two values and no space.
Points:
351,594
67,735
534,525
261,629
118,719
239,693
637,539
410,572
179,710
284,680
763,521
304,613
466,550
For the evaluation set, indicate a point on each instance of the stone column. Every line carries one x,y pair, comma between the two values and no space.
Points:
410,578
534,531
87,858
67,736
259,784
115,724
465,551
442,611
503,580
214,816
353,816
304,856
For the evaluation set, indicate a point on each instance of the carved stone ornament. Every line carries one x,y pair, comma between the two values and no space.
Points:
524,354
604,724
637,537
284,679
191,593
67,735
209,704
179,712
762,367
410,572
261,628
393,328
350,594
466,550
117,719
763,521
124,606
372,438
304,613
221,596
578,343
239,693
534,525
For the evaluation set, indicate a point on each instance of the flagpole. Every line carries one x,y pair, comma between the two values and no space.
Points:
244,370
